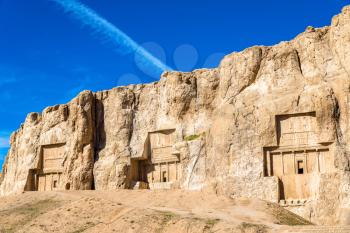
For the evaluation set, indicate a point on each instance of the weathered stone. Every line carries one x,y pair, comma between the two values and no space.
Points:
69,131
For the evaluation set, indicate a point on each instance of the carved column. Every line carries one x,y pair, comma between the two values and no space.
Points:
59,178
282,162
167,164
176,171
45,177
51,183
295,171
318,160
305,156
268,163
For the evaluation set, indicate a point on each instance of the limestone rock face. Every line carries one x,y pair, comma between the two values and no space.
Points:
70,127
269,122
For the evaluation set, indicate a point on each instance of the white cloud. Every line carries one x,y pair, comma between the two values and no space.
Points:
107,32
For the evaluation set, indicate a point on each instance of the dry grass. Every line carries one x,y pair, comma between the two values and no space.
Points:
250,227
139,211
13,219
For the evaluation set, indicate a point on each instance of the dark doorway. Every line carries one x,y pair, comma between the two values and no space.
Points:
165,177
300,167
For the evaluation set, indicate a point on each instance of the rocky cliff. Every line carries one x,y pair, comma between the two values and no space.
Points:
269,123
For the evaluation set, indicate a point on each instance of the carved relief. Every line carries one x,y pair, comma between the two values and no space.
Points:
298,158
52,157
161,144
296,129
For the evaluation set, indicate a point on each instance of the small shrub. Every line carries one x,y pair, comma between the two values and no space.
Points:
212,222
209,224
192,137
168,216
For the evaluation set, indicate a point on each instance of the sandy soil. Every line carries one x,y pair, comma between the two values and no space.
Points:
142,211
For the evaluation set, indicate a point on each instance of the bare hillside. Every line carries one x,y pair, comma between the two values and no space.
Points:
140,211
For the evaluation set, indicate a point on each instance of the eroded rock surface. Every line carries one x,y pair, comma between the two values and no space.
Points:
269,123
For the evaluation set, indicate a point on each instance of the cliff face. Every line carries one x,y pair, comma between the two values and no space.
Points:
269,122
70,127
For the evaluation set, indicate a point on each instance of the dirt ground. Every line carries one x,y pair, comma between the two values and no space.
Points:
132,211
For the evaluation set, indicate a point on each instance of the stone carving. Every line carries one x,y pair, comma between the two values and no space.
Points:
47,175
298,158
51,167
297,129
52,158
162,167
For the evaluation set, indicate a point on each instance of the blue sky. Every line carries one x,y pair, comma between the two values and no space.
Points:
47,57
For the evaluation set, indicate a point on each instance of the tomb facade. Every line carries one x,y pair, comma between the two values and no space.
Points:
161,169
47,176
298,159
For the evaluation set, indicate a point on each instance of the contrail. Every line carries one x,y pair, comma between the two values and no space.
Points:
109,33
